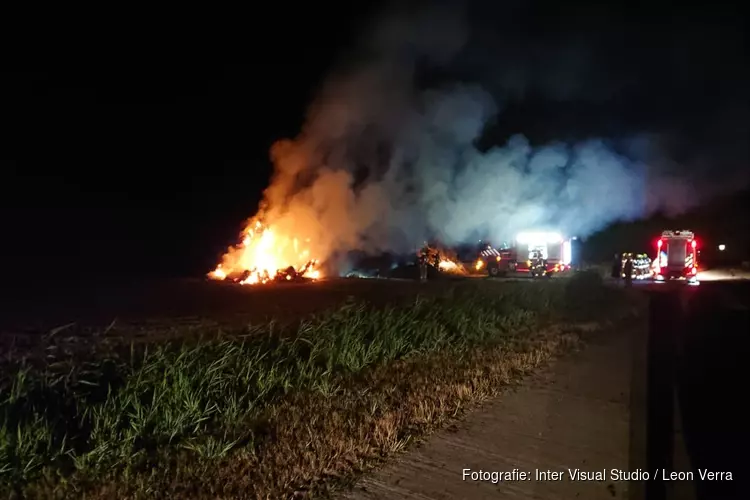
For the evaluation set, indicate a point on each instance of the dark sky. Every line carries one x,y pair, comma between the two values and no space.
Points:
151,165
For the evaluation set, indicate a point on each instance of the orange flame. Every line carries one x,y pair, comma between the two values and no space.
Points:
263,256
450,266
447,265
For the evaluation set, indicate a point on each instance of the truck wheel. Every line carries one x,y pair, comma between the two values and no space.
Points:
494,271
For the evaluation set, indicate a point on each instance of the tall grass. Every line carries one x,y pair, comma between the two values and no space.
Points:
62,416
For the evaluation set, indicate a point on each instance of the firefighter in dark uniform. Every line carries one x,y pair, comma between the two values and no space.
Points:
436,258
538,265
423,257
628,271
617,267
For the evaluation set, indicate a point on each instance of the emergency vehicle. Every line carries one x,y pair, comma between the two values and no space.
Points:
522,255
677,257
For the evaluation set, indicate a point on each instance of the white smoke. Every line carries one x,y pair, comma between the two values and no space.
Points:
384,162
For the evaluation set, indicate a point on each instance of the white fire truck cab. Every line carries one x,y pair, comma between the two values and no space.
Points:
552,249
676,257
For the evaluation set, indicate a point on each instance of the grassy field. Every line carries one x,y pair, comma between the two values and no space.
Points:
163,308
275,409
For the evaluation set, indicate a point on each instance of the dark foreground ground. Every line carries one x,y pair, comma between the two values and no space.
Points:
150,306
37,306
696,367
144,310
665,396
689,362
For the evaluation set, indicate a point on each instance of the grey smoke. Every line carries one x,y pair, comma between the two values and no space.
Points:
384,163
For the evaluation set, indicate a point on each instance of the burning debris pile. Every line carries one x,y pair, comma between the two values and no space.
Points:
452,267
440,261
446,260
263,256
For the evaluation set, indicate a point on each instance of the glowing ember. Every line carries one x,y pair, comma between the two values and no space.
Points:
265,256
452,267
448,265
218,274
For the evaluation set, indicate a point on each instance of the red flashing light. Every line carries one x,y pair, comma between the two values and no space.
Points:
694,271
659,243
693,243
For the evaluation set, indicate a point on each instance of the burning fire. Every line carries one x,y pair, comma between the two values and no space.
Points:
449,266
264,256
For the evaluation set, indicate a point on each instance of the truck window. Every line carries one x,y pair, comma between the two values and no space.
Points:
554,252
677,253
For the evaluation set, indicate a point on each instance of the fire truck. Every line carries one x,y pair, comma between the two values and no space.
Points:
535,253
677,257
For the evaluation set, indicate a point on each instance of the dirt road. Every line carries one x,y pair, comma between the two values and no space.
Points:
574,415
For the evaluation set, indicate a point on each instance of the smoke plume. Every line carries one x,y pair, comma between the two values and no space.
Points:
389,158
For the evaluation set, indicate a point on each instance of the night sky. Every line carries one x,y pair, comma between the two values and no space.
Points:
150,167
